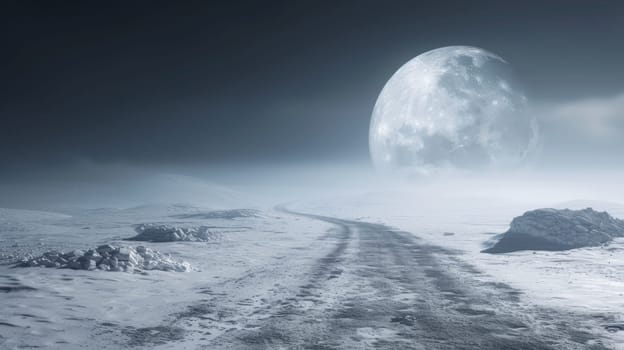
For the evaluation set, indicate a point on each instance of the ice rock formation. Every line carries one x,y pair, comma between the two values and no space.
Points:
553,229
109,258
166,233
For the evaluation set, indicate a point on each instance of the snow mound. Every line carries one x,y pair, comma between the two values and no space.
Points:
167,233
222,214
109,258
554,229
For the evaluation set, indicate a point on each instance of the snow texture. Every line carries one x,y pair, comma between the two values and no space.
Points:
168,233
109,258
222,214
553,229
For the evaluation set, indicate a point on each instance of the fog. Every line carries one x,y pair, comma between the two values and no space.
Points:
580,156
91,185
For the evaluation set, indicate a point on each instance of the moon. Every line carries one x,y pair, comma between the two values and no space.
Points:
456,107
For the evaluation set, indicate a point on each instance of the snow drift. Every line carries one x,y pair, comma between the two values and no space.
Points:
553,229
167,233
221,214
109,258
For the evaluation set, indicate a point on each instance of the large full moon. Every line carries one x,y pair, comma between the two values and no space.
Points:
456,107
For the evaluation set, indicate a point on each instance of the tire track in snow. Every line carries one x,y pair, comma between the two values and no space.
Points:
395,292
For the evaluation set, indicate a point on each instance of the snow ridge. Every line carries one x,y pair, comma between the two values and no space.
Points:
109,258
167,233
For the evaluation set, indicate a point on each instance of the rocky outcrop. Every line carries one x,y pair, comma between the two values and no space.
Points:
109,258
552,229
166,233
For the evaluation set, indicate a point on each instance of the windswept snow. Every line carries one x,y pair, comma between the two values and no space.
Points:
587,280
553,229
274,268
168,233
260,263
109,258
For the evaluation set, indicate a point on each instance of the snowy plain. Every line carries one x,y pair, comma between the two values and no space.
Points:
254,263
67,309
589,281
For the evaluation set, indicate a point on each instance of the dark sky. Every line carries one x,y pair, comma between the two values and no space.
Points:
183,82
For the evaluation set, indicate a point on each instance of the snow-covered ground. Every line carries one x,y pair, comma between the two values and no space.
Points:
255,261
587,280
66,309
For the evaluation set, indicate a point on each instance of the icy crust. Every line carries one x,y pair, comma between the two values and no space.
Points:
553,229
167,233
109,258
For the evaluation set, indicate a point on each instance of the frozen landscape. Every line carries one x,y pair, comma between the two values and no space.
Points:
355,271
312,175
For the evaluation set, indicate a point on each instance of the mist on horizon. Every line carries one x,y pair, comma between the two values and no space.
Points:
102,119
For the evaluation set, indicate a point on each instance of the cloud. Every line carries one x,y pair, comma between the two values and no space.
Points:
584,132
597,117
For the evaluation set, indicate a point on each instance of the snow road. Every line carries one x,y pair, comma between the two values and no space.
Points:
280,280
381,288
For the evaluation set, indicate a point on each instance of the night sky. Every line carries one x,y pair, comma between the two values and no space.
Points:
182,82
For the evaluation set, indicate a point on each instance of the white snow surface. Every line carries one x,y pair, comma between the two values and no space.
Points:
260,259
587,280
